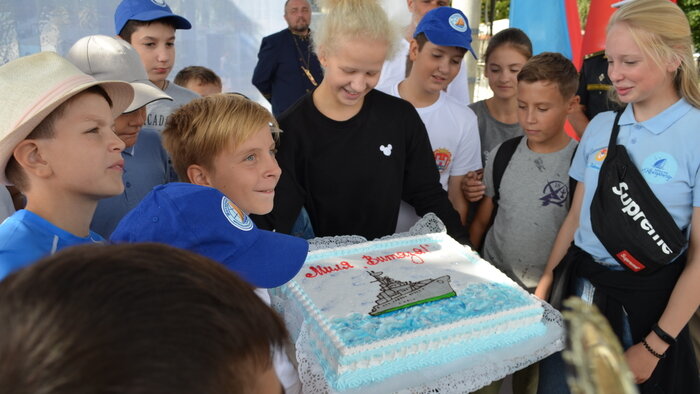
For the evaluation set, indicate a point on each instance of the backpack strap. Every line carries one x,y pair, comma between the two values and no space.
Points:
572,182
500,162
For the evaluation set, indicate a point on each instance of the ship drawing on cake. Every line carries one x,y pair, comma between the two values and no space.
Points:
395,294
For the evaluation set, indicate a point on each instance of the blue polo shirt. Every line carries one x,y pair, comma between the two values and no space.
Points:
26,237
146,165
665,149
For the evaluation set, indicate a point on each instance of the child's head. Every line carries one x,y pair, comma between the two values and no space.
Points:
418,8
649,48
226,142
149,26
57,129
440,41
353,40
547,87
199,79
134,318
109,58
507,52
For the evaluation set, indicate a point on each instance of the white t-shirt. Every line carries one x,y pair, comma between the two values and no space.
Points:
285,370
453,130
394,71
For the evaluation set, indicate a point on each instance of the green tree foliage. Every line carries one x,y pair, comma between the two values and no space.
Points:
501,9
583,7
692,11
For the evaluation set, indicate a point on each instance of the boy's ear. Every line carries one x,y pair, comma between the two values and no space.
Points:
413,50
573,103
198,175
28,155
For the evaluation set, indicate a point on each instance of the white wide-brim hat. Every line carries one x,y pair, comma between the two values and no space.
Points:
37,84
109,59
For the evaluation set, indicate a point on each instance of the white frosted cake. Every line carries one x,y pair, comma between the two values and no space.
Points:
379,309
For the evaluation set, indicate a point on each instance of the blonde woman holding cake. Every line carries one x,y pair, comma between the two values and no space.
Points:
349,153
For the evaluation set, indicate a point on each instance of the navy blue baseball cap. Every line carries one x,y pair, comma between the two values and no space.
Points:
446,26
146,11
202,220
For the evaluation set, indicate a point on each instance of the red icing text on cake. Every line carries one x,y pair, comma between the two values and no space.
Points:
414,255
321,270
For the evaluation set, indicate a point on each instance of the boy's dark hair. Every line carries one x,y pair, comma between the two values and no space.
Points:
512,37
551,67
200,73
132,318
421,39
45,129
132,25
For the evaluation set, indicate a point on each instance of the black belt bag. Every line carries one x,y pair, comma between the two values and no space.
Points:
628,219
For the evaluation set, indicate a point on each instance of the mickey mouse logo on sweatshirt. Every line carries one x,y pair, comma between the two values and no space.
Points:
386,149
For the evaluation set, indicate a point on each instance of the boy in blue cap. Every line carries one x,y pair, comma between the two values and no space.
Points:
439,44
223,146
203,220
149,26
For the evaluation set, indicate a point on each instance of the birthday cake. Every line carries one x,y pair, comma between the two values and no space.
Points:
379,309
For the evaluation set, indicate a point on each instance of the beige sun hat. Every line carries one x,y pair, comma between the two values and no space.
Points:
108,59
34,86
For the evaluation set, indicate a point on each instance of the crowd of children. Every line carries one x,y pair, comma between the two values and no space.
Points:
102,146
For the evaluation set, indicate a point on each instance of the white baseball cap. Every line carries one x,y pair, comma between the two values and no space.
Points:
111,58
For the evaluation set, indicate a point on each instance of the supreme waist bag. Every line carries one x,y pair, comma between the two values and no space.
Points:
628,219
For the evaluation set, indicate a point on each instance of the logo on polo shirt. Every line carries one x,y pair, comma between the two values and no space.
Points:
458,23
600,156
443,158
659,168
235,215
598,159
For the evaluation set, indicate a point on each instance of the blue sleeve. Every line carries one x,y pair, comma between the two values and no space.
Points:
599,128
578,164
266,68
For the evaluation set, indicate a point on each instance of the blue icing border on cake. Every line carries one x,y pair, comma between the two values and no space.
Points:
406,364
474,301
434,337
